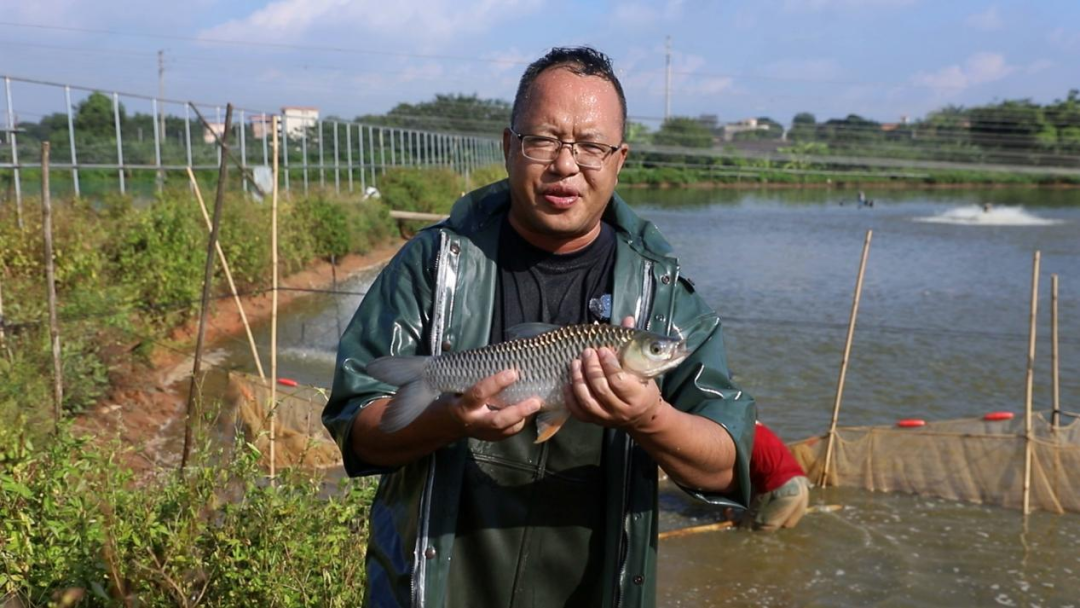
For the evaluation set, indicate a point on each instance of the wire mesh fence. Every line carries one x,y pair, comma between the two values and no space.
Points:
108,141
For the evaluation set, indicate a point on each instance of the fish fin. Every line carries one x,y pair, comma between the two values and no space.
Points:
410,401
549,422
398,371
529,330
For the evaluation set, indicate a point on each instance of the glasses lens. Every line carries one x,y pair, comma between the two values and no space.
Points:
591,155
547,149
540,148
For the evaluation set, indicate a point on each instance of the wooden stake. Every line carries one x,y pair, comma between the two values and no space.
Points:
823,481
228,275
1029,383
50,280
273,305
1055,416
3,337
208,277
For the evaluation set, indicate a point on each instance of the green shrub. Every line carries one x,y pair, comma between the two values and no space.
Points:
73,517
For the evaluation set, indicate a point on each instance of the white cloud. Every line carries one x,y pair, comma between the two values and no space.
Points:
638,14
1039,65
988,20
822,5
426,23
1064,39
980,68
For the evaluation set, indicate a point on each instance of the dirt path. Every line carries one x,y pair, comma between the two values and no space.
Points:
145,409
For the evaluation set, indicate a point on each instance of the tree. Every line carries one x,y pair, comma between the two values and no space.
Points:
803,127
851,130
455,112
638,133
94,116
683,131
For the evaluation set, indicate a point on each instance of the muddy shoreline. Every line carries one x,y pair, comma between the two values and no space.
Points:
145,408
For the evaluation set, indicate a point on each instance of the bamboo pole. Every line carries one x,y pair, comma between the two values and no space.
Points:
273,306
1055,416
714,527
3,337
50,280
1030,382
208,276
844,361
228,275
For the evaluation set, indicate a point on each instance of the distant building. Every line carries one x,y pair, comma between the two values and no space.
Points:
210,129
261,125
298,118
742,126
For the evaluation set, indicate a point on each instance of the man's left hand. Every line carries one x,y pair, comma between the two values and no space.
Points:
602,392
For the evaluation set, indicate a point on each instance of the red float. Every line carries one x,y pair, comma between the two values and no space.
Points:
992,416
287,382
908,423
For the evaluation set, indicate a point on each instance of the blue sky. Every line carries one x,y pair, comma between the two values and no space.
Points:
879,58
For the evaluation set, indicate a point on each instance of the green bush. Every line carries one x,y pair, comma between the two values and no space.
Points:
73,518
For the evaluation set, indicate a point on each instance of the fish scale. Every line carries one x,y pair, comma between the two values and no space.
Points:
540,353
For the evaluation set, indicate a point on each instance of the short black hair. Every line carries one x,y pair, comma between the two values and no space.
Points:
580,60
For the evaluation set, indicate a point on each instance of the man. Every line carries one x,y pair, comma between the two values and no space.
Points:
780,487
470,511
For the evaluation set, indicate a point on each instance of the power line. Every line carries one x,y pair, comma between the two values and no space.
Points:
272,45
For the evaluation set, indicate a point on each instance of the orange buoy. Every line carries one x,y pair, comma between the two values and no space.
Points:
908,423
287,382
992,416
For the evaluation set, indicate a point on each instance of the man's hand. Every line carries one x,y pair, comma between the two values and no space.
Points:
476,411
602,392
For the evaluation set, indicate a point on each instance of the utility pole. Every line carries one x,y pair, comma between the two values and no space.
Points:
667,82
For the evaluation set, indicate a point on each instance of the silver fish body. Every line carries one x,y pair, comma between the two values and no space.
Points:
540,353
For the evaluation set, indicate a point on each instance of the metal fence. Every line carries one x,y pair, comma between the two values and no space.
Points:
135,152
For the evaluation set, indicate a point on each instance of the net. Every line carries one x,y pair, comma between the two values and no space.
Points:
301,440
969,459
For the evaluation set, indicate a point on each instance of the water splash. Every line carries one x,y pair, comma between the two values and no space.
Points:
976,215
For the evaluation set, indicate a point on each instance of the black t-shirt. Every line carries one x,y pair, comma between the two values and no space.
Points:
548,499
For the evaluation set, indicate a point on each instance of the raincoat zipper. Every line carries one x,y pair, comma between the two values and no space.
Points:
445,280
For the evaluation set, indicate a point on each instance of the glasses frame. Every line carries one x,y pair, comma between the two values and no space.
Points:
562,143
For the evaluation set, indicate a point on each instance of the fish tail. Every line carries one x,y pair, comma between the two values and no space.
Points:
414,394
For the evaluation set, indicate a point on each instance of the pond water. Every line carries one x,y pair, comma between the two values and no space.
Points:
941,333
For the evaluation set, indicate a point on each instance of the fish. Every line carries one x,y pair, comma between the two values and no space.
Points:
540,353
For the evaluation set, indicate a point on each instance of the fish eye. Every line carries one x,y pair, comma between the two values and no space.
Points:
655,348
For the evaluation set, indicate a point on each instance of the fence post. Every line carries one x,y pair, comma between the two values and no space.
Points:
382,155
337,163
208,275
50,280
348,152
14,153
158,132
71,142
273,312
322,156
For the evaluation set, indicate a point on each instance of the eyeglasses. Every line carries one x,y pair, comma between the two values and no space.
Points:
587,155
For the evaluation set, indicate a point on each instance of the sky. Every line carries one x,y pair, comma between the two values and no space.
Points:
881,59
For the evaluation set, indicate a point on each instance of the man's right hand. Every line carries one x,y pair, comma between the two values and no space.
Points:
475,413
481,416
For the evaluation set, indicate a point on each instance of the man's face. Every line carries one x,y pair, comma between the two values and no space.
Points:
557,205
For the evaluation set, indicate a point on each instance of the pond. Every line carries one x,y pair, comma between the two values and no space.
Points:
942,333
